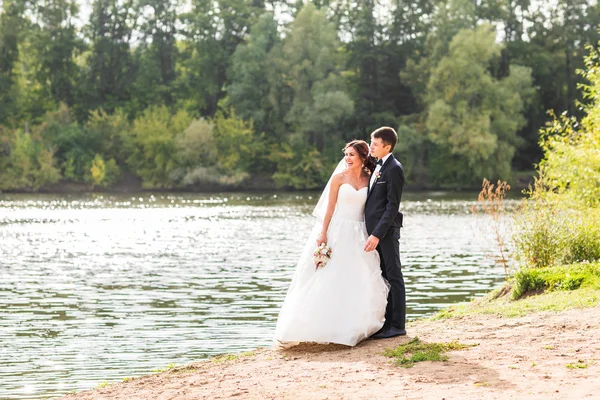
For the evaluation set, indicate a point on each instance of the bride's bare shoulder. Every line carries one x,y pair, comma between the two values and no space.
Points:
338,178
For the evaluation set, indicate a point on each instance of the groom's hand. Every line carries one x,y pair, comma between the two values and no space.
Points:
371,244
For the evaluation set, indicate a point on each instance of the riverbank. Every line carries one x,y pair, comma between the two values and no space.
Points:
260,182
548,354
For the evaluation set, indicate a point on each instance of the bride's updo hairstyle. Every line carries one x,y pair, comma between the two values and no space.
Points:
362,148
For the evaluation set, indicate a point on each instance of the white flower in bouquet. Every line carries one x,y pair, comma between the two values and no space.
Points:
322,255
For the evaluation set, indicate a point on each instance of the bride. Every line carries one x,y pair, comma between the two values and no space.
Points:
343,302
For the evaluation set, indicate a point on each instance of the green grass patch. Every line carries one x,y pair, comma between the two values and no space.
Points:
533,290
415,351
231,357
505,307
569,277
578,365
167,368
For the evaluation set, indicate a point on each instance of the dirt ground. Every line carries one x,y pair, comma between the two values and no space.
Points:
516,358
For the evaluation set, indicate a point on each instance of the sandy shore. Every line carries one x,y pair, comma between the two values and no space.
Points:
516,358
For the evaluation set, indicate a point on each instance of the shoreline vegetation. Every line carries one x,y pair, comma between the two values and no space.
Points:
538,336
522,180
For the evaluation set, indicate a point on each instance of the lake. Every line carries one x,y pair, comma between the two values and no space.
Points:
97,288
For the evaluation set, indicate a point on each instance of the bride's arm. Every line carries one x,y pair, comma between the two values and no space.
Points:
336,182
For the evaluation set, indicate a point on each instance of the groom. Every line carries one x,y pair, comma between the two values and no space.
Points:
383,220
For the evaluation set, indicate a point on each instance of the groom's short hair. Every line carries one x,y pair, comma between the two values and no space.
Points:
387,135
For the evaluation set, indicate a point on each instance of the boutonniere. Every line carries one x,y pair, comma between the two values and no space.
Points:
377,175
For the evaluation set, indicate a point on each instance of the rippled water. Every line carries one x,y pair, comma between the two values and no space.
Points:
96,288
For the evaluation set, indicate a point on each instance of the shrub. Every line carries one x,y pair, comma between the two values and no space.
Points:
565,277
555,233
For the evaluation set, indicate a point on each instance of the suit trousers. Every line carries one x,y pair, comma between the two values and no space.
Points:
391,269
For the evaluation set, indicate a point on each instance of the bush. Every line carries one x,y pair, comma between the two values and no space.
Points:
560,223
550,234
233,139
102,173
566,277
213,152
114,135
299,167
74,146
154,155
28,164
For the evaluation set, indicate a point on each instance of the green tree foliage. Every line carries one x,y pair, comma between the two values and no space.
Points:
215,152
197,154
561,222
156,57
29,165
252,73
299,166
233,137
473,118
56,44
153,156
269,87
75,148
115,138
109,66
311,63
571,166
11,24
102,173
213,30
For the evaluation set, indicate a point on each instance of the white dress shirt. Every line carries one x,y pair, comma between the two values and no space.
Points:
377,168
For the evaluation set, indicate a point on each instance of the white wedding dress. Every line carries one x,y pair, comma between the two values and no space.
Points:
343,302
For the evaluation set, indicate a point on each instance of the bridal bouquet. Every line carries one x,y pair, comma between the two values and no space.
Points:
322,255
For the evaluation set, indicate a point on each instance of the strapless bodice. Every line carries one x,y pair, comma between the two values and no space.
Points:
351,203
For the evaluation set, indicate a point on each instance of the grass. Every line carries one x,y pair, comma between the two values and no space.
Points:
553,289
231,357
167,368
578,365
415,351
551,301
569,277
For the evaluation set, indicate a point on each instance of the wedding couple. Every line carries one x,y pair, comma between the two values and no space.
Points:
360,292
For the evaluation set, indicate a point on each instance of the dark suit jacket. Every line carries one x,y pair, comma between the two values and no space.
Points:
383,200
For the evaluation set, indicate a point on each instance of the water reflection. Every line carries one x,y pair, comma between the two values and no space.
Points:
100,287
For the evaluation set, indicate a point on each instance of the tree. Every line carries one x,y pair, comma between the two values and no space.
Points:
153,157
156,56
115,139
56,43
472,117
312,63
74,146
571,164
29,164
11,24
249,74
110,69
213,30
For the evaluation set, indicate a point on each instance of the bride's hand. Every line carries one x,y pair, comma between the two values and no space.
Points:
322,238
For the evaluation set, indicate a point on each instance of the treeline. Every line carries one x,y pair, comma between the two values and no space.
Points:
178,94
